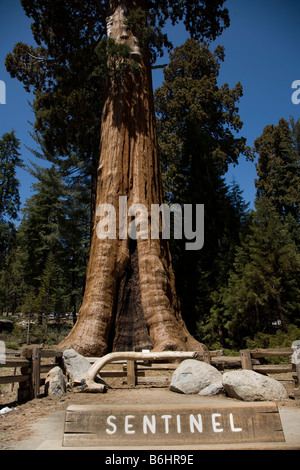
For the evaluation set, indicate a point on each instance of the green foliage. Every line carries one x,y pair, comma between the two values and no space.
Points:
263,291
10,161
68,70
281,339
264,286
45,272
197,123
49,334
278,168
195,113
247,276
38,231
9,186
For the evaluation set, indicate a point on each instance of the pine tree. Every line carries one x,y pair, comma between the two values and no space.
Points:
263,289
278,169
38,231
10,161
264,286
53,241
11,282
9,185
198,122
52,292
74,236
9,191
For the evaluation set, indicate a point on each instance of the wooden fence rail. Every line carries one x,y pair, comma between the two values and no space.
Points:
31,363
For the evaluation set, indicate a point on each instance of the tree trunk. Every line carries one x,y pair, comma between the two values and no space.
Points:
130,301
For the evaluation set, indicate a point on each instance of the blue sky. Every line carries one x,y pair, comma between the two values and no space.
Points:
262,52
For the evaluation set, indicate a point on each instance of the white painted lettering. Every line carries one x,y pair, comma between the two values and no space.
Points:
166,419
110,423
178,424
215,424
172,423
128,426
232,427
196,423
149,424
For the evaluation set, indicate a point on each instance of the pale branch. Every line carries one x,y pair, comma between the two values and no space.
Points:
88,380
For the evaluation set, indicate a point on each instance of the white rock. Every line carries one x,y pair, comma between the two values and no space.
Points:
213,389
5,410
192,376
75,364
296,352
248,385
55,384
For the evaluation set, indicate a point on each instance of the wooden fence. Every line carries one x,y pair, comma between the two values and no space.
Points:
248,359
31,364
34,362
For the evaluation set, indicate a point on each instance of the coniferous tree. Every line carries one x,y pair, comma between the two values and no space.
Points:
52,296
278,171
11,281
53,242
9,191
264,287
264,284
10,161
74,236
9,185
38,231
196,129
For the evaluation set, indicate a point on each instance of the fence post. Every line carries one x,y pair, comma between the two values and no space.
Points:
131,379
35,372
23,390
246,359
207,357
296,359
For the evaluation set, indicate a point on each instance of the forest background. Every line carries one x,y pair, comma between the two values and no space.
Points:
242,289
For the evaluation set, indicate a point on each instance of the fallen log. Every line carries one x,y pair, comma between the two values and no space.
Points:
89,385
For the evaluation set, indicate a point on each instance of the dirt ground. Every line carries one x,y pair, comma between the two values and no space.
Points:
19,424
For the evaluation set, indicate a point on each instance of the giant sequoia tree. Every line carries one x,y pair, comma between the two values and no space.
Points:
130,300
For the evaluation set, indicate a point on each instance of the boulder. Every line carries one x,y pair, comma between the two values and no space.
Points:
56,382
248,385
216,388
75,364
192,376
296,352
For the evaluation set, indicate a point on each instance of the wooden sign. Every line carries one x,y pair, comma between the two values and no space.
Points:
146,425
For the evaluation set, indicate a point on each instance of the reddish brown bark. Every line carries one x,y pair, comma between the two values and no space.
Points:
130,301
